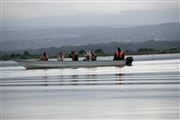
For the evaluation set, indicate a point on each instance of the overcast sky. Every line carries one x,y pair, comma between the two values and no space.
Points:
23,9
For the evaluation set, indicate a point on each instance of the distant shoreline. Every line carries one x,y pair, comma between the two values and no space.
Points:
141,52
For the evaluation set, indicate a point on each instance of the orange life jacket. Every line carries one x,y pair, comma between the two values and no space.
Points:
119,54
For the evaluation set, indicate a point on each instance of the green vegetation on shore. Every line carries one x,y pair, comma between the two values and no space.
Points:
143,51
25,55
99,52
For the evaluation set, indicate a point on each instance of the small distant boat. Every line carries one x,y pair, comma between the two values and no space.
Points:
33,64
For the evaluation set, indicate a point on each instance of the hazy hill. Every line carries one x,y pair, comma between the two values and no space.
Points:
61,36
106,47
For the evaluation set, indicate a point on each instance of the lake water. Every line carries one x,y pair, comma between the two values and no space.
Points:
147,90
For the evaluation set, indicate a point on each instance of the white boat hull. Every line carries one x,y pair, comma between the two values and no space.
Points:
30,64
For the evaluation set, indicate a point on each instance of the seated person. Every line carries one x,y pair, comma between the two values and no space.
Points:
44,57
93,56
60,56
74,56
87,56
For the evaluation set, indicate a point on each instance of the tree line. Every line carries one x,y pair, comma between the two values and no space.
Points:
99,52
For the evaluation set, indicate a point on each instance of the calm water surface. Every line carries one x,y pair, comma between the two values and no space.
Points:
147,90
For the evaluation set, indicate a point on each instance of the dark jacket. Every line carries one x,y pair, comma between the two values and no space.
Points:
74,57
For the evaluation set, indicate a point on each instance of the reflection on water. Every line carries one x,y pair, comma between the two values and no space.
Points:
108,79
44,81
119,78
146,90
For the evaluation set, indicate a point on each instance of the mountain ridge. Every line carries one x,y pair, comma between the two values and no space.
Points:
58,37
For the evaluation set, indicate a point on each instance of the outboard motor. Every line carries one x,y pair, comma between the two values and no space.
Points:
129,61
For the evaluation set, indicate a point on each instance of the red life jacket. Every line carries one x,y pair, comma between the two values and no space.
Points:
44,58
119,54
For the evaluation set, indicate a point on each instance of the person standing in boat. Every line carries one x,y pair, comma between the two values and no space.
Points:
60,56
119,55
44,57
74,56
